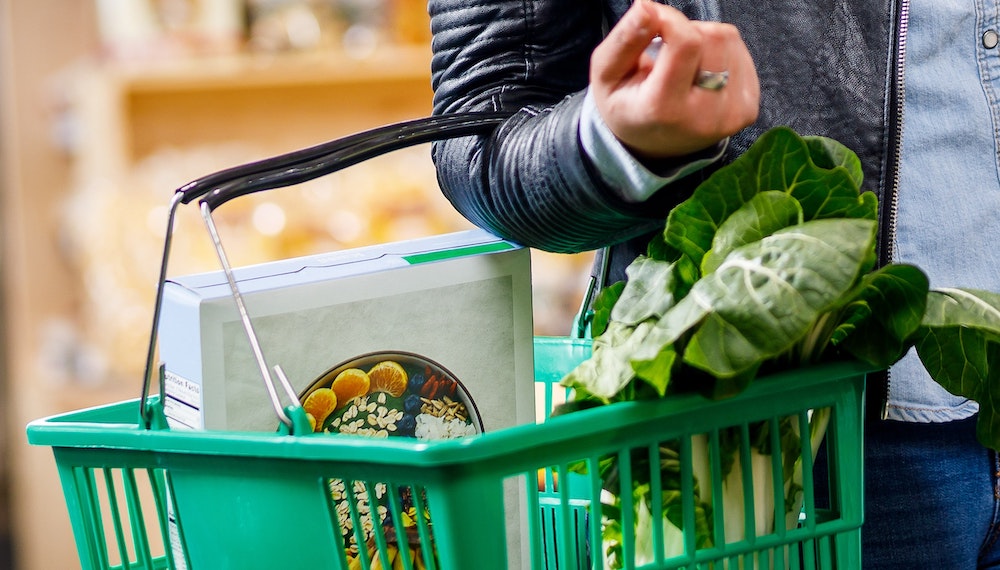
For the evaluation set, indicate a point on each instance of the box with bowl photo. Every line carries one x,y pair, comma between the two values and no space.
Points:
427,338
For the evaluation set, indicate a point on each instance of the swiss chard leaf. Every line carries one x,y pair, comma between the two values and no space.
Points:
779,161
603,304
767,275
769,262
829,153
959,344
761,216
894,299
657,372
648,292
608,371
660,250
764,297
760,302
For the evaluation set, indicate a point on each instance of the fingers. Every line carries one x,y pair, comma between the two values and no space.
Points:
713,113
692,47
672,85
617,57
717,43
737,103
652,102
678,60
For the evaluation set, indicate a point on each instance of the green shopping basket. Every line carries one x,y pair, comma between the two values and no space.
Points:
249,500
142,496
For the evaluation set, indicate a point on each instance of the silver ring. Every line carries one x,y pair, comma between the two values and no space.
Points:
713,80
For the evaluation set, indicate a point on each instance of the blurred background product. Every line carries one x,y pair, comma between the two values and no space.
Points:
108,106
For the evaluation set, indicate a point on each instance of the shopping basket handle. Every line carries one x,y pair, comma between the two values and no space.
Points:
201,186
307,164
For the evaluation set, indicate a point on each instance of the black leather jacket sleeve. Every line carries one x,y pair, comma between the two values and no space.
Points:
825,69
530,181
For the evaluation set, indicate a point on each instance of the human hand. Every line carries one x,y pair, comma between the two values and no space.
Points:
654,106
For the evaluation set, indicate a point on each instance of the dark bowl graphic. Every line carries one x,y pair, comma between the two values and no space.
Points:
391,394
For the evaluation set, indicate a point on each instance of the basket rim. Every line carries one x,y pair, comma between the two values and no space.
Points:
605,428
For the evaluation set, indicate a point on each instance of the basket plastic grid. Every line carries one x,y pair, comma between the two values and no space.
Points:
249,500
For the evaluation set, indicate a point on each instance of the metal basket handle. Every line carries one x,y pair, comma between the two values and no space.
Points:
287,170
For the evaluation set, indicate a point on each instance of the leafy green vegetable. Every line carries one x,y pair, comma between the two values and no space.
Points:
879,320
959,345
770,265
605,301
748,271
821,175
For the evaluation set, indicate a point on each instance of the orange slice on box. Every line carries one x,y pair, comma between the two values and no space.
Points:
320,404
388,376
350,384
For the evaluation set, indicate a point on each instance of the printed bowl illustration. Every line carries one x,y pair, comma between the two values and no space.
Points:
386,394
389,394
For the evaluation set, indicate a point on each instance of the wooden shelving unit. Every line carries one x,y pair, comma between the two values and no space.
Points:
288,100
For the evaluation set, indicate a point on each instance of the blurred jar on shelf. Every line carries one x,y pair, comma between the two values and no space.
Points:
141,30
356,27
293,25
137,30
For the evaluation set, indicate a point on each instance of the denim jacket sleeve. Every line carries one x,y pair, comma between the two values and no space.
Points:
530,181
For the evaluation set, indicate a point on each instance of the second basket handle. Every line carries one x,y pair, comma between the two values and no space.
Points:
255,176
353,149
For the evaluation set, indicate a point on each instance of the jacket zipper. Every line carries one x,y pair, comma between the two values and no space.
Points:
893,164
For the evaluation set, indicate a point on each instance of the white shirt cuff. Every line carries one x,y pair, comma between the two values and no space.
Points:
629,178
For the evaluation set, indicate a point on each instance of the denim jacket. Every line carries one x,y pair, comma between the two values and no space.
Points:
947,219
837,75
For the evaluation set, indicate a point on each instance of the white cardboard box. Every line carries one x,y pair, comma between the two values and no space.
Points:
463,300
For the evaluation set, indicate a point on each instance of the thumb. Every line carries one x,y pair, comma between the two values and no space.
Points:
618,55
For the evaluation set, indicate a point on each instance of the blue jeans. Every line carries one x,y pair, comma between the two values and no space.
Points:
931,497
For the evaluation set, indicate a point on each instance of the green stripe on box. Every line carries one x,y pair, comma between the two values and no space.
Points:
457,252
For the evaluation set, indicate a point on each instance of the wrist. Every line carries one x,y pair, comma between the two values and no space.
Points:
630,176
670,165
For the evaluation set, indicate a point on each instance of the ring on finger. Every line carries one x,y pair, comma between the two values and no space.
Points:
712,80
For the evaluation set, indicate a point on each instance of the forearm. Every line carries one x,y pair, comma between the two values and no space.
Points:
530,181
